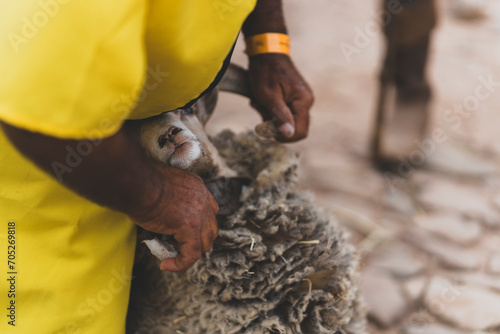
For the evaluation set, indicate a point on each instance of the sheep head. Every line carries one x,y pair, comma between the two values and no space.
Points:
178,139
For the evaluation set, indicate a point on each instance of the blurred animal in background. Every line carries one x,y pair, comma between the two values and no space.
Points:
402,118
402,111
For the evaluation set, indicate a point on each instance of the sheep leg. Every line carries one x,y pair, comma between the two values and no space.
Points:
408,38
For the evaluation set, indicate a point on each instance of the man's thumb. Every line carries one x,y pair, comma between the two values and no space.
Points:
283,120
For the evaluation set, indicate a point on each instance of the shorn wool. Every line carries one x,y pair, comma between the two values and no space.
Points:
279,265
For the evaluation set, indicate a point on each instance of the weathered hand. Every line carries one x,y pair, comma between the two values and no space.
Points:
186,210
280,94
119,175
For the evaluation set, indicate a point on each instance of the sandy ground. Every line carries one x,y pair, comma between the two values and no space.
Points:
335,157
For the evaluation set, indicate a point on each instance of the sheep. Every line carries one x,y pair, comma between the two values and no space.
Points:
279,265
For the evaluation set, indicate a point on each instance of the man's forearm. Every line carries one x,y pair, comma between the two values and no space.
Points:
279,92
116,173
266,17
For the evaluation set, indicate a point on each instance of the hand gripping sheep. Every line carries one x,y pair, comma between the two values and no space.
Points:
279,265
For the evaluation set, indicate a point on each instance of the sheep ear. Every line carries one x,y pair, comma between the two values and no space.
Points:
205,106
235,80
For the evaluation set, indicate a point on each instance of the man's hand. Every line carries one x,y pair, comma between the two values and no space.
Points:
119,175
280,94
185,210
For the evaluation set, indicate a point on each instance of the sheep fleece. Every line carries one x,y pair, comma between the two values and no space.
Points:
257,278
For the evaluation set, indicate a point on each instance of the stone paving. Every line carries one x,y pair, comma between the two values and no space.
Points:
429,237
430,247
441,267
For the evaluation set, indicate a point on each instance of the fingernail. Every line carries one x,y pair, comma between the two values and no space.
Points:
287,129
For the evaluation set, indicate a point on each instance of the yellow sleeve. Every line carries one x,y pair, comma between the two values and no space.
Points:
66,66
187,42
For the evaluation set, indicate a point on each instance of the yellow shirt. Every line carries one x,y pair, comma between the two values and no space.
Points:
77,69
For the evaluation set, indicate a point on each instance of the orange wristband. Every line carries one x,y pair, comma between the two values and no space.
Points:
268,43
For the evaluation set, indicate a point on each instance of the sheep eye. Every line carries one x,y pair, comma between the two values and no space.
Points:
188,111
